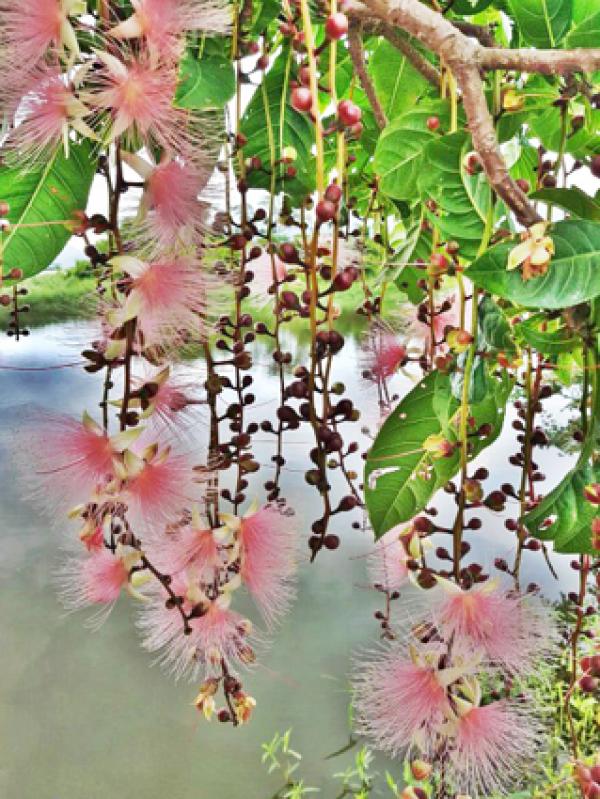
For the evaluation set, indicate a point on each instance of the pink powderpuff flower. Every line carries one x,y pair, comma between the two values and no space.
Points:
28,30
400,699
383,353
162,23
170,214
387,563
157,486
512,631
99,578
192,546
267,540
168,298
50,110
165,399
67,459
218,634
139,98
492,748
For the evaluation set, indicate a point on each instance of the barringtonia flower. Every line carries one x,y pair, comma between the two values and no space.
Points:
68,460
491,747
267,551
138,96
217,633
401,697
513,631
28,30
534,252
170,213
167,297
50,110
162,399
193,545
384,354
98,578
243,706
163,23
156,484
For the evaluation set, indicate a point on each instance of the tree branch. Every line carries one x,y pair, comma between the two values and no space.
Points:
461,54
482,33
547,62
357,55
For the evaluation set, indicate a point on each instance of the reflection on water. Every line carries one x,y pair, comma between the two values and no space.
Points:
83,716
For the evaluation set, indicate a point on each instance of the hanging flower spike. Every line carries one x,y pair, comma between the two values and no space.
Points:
170,214
28,29
139,98
534,252
162,399
267,541
72,459
169,299
162,23
401,700
492,747
513,631
387,563
216,632
50,111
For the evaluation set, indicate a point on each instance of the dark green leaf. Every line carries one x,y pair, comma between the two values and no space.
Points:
586,33
50,193
549,338
205,83
289,129
542,23
495,334
396,81
399,477
462,199
399,152
574,200
573,274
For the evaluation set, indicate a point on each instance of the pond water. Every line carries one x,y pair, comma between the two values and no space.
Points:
84,715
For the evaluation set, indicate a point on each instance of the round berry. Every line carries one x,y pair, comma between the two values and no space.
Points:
301,99
336,26
326,211
349,113
433,123
595,166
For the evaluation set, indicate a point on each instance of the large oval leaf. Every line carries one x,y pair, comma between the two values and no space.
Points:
542,22
549,338
48,194
399,151
573,200
586,33
462,199
573,275
396,81
399,477
205,83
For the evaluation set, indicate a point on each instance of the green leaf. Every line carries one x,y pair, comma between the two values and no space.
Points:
399,477
470,7
573,274
495,334
586,33
574,200
397,83
549,338
542,23
49,193
289,129
570,513
585,141
399,152
268,10
205,83
462,199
